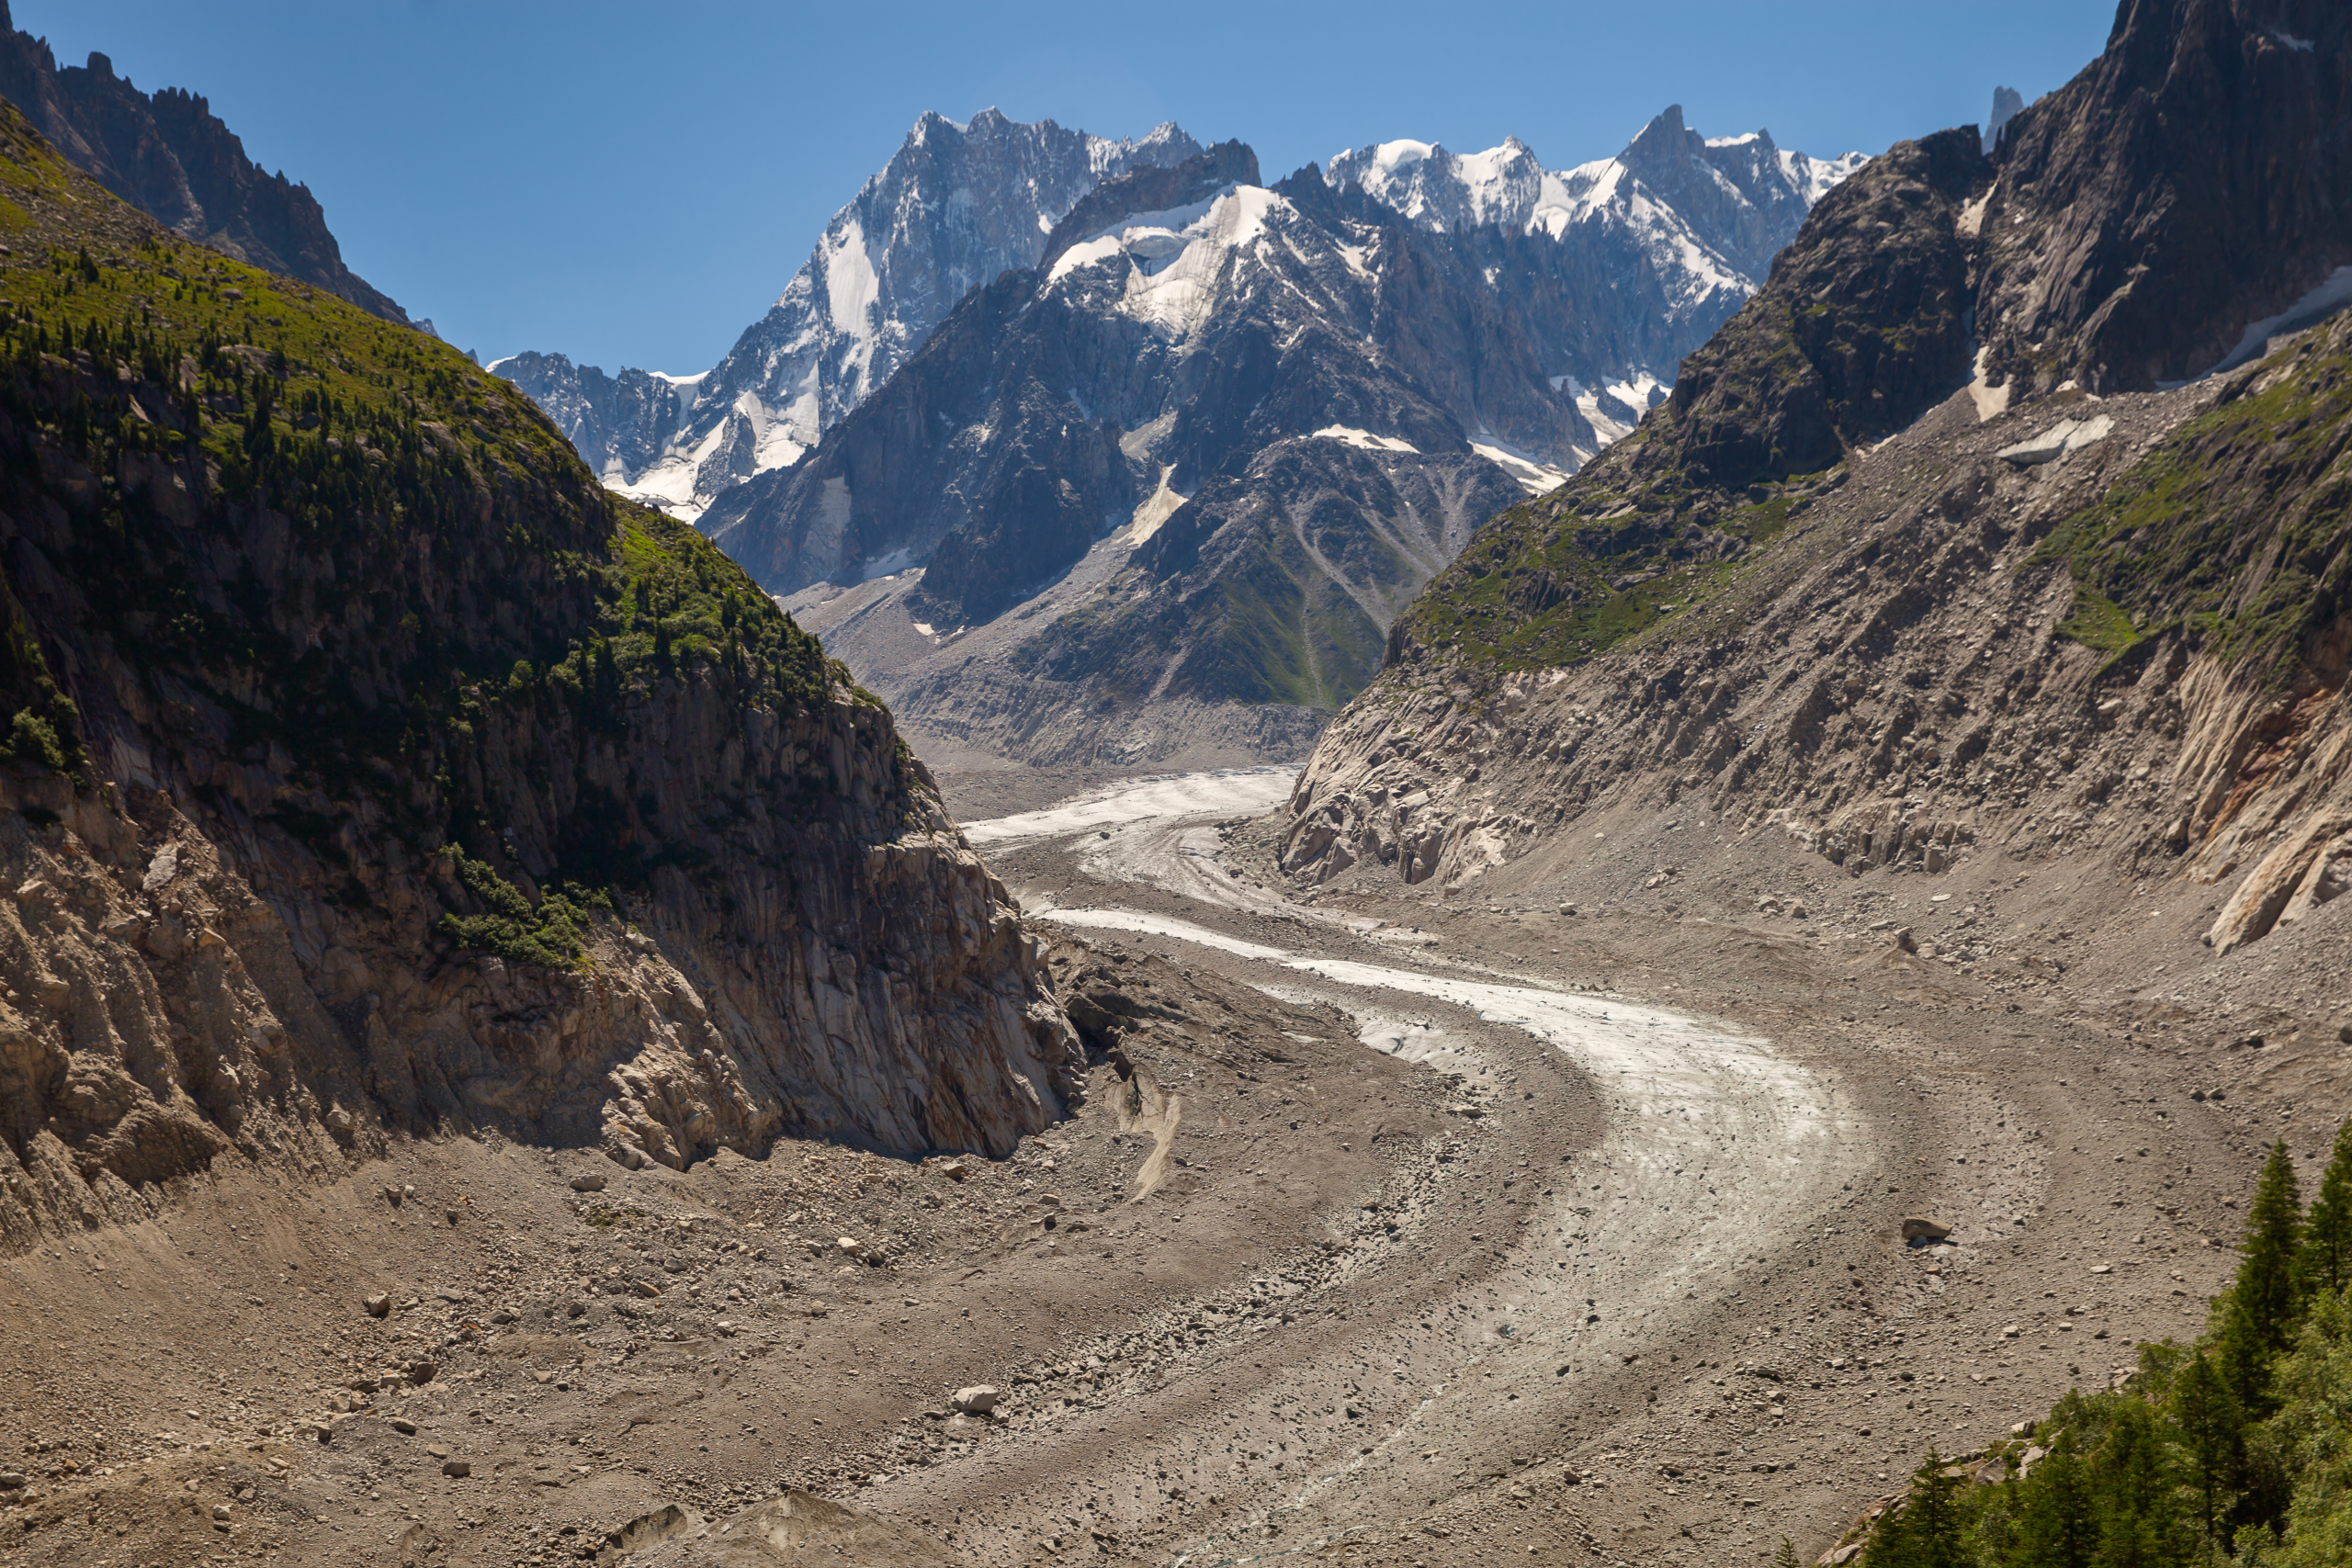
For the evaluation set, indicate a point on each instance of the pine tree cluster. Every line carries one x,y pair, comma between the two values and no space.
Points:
2237,1447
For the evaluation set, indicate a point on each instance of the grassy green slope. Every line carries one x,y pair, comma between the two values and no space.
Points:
346,540
2238,528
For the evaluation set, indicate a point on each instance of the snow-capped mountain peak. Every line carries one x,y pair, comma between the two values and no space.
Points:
1691,221
956,206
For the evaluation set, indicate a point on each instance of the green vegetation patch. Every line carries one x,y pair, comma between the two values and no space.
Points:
552,936
2236,527
2099,622
1598,564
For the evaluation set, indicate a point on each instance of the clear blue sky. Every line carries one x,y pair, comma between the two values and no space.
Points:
634,184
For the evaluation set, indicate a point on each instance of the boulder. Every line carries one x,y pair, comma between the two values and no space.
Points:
978,1399
1917,1227
592,1183
379,1305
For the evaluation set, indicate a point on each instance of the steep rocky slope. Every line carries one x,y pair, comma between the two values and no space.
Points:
956,206
1165,494
1830,591
371,770
166,154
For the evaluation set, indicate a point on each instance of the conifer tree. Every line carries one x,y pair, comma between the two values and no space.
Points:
2259,1315
2135,1494
2323,1262
2057,1526
2213,1436
1787,1556
1930,1532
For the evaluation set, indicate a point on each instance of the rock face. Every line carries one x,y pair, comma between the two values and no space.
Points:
1795,381
365,776
1170,488
166,154
956,206
1833,590
621,424
2186,186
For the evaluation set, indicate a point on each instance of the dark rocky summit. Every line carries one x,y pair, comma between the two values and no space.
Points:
2190,182
167,154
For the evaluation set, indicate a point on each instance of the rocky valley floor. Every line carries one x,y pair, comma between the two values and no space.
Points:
1398,1228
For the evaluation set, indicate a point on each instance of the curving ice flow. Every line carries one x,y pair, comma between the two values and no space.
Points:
1715,1147
1679,1085
1237,792
1713,1143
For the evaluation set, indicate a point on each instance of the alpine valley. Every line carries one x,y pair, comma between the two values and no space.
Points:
1482,865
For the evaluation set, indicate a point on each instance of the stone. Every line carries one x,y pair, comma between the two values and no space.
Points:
12,1480
593,1182
403,1426
379,1305
2310,867
645,1288
978,1399
456,1469
2066,436
420,1372
1917,1227
849,1246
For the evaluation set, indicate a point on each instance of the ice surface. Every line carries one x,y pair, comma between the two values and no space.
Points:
1625,1032
1225,792
2053,443
1349,435
2331,296
1536,479
1157,508
1991,402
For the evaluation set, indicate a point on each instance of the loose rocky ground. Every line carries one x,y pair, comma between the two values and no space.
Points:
1328,1262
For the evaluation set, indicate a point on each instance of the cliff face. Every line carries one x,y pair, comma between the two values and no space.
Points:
373,771
2186,184
166,154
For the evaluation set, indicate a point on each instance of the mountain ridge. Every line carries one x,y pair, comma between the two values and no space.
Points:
1249,428
1854,589
166,154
